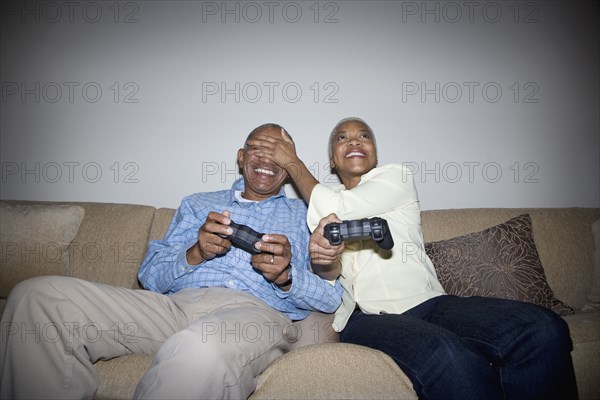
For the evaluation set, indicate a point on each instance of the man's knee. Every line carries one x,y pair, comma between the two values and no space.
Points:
210,356
36,288
226,343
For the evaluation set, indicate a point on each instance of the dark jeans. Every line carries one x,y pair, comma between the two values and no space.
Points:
474,348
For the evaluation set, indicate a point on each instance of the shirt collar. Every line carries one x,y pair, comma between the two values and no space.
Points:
239,185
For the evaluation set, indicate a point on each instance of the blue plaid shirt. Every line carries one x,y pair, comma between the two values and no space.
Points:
165,268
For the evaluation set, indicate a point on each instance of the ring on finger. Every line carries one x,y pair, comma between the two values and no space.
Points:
272,258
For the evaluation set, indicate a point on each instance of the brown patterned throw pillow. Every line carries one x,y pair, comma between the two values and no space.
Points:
501,261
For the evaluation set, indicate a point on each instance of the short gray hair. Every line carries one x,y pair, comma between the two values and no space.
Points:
343,121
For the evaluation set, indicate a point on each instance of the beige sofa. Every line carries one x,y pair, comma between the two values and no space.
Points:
106,242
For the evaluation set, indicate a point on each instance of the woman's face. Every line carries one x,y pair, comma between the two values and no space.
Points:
353,152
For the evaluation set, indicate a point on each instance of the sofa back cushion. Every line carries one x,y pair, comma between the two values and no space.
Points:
109,245
35,240
563,238
593,295
160,223
162,219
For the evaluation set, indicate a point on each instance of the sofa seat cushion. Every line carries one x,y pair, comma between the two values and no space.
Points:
118,377
584,328
500,261
35,240
334,371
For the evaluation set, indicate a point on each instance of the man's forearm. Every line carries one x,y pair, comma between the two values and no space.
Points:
310,292
160,270
193,255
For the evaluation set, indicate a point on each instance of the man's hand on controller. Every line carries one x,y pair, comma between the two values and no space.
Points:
274,259
209,243
272,262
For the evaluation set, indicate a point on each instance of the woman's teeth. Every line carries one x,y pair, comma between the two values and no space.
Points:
355,154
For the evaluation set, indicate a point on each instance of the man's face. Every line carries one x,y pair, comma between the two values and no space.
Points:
353,150
262,177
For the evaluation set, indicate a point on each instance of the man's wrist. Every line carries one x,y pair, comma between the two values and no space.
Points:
289,279
194,255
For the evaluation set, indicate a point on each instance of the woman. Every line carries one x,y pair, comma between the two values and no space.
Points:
450,347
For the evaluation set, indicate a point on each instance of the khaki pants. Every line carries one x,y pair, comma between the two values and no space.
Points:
208,343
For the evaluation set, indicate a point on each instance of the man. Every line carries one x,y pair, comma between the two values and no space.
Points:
215,315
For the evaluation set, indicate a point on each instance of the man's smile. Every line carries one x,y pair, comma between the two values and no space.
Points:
264,171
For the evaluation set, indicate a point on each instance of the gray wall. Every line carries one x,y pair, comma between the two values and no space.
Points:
491,103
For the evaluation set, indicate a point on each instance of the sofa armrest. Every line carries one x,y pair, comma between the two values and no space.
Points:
334,370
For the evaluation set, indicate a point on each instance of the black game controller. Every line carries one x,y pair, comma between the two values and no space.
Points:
244,237
375,228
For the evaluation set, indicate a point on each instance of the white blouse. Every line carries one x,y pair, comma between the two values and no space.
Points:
379,281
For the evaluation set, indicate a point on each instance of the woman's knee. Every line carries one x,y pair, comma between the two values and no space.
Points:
550,329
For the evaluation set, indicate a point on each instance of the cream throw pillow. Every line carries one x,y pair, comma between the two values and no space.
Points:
34,240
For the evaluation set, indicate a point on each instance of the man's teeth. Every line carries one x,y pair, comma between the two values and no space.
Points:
264,171
354,154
